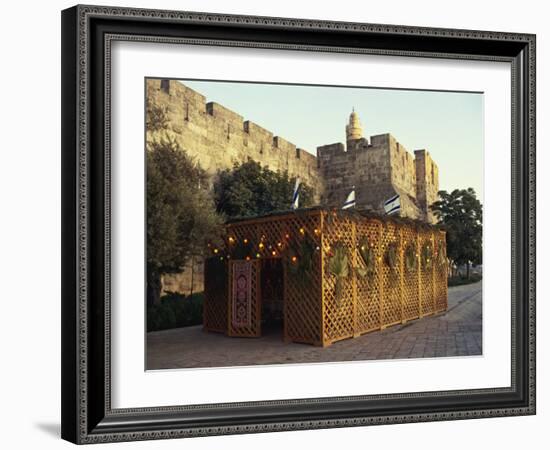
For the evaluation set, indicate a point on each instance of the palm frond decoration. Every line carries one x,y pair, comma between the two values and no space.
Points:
411,260
391,256
338,265
367,252
427,256
301,259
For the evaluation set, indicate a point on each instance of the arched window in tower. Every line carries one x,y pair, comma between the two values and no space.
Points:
433,176
187,111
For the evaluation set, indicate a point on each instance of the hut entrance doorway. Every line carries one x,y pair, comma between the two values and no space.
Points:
272,296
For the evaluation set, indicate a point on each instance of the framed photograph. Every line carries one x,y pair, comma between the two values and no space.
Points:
282,224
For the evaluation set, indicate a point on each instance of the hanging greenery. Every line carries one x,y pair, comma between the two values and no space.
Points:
338,265
427,256
369,258
391,256
300,258
411,261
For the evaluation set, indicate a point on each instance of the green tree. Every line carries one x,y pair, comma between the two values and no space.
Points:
460,212
181,216
156,117
250,190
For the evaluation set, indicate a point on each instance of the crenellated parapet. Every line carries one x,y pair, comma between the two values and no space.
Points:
218,138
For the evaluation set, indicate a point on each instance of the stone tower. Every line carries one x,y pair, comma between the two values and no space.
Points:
427,183
378,169
354,131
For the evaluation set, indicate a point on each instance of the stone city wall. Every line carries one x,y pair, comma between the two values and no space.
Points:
219,138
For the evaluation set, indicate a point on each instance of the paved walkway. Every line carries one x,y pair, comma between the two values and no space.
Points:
457,332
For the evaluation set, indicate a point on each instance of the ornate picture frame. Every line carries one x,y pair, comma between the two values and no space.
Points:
88,33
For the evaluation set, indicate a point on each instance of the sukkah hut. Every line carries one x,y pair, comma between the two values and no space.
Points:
323,275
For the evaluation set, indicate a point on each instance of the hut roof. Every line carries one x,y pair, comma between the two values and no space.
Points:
356,214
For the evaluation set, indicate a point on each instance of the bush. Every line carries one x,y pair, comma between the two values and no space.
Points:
460,280
175,311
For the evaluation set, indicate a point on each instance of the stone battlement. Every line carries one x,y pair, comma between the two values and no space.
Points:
219,138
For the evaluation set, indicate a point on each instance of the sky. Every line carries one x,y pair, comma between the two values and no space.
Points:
447,124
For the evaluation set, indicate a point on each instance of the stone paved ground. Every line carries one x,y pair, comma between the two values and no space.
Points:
457,332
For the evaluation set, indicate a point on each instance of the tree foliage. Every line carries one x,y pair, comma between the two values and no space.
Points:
156,117
250,189
181,216
460,212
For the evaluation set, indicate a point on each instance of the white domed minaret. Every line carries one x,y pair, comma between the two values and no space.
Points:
354,130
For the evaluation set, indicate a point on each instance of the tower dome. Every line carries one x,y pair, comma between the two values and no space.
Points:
353,129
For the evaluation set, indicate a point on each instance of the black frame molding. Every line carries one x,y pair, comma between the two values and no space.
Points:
87,33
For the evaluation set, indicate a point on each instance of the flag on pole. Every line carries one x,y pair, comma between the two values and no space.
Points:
393,204
350,200
296,194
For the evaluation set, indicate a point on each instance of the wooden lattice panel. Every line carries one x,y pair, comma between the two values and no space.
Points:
440,272
276,238
390,277
427,304
215,295
254,329
368,288
411,299
338,310
313,310
302,307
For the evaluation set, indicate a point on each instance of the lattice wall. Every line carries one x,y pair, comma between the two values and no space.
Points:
314,312
440,272
390,278
303,305
338,310
368,291
282,237
426,285
410,280
390,294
